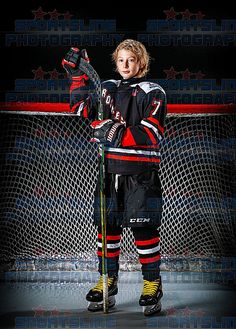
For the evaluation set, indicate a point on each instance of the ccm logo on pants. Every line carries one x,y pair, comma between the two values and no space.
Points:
139,220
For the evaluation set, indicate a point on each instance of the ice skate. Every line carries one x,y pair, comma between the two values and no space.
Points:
151,296
95,295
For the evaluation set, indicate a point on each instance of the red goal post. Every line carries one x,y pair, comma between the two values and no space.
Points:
64,108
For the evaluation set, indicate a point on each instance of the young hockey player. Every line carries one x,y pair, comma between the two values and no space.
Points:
134,112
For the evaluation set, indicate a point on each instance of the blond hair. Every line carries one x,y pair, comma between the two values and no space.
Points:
139,51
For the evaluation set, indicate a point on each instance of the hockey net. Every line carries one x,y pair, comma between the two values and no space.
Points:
49,171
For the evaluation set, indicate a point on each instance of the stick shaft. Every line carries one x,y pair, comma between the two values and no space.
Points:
92,74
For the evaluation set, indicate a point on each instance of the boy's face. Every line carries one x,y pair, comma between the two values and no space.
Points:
127,64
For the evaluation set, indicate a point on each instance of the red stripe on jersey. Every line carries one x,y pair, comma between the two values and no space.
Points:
128,158
109,237
76,106
80,77
147,242
128,139
85,109
76,85
85,112
109,254
154,120
149,260
150,135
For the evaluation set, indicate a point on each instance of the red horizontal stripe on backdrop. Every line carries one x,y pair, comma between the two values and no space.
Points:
128,158
149,260
109,254
201,108
147,242
65,108
36,107
109,237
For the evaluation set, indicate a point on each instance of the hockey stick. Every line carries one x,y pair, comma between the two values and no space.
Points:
92,74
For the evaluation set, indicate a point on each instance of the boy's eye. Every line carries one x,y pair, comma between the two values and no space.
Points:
130,60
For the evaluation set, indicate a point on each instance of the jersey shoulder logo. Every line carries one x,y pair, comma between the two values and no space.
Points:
147,86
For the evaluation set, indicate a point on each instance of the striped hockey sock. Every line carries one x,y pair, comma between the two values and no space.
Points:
148,247
113,252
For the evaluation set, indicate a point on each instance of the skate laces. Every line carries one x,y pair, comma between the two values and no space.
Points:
150,287
99,285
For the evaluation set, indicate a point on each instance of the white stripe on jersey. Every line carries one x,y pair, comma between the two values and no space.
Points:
149,125
124,150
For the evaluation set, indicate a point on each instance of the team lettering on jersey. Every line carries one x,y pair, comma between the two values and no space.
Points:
110,102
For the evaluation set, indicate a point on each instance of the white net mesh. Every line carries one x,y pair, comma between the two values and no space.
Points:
198,178
49,170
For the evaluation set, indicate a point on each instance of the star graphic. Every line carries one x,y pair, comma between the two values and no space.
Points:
186,250
171,13
39,73
186,14
38,191
55,312
186,74
54,14
39,311
171,311
200,253
54,74
39,251
186,311
39,13
171,73
199,75
67,15
199,15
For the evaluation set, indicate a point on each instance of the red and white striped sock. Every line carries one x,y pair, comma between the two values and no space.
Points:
148,247
113,252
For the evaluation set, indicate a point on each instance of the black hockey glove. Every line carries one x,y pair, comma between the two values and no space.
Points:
107,132
79,89
72,60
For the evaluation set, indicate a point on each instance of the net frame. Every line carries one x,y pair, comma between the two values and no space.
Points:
129,261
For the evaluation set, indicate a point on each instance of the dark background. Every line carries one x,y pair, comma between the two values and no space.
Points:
215,62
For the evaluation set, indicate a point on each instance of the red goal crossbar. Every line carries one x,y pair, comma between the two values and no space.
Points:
64,108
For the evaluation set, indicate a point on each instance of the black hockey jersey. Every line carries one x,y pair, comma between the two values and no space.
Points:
141,106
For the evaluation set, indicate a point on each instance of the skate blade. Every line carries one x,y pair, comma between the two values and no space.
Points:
98,306
152,309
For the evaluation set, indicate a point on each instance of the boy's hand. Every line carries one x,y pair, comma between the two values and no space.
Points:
107,132
72,60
